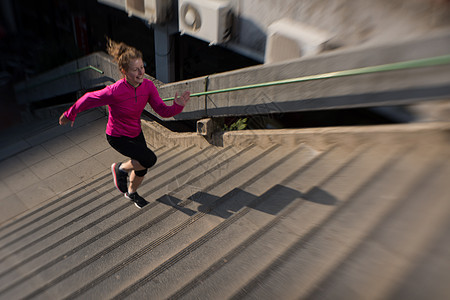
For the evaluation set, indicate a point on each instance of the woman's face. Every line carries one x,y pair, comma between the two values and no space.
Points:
135,73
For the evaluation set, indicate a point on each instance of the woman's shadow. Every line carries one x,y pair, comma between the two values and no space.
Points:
271,202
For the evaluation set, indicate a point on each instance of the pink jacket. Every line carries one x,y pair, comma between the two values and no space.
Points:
126,104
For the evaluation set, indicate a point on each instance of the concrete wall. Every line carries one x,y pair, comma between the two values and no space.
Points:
370,90
62,80
352,23
318,138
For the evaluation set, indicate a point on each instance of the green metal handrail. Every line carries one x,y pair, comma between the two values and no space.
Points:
89,67
411,64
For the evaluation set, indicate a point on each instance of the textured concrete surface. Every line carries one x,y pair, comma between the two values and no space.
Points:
341,213
41,163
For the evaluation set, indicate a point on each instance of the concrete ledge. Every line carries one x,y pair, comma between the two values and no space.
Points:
317,138
368,90
347,137
158,135
62,80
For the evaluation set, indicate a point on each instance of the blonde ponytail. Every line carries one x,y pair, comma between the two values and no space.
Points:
122,53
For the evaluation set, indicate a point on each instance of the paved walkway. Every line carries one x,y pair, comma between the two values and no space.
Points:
45,161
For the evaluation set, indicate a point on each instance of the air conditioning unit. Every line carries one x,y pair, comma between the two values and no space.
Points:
208,20
153,11
287,39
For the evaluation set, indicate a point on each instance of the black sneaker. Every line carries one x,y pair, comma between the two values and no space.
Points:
138,200
120,178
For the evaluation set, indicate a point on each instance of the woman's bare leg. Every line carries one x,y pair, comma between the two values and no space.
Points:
135,181
131,165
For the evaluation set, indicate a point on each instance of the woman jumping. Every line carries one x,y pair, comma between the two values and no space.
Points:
126,100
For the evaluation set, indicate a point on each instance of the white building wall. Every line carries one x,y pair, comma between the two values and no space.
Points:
348,22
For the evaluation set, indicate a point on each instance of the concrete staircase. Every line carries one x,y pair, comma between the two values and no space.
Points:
347,220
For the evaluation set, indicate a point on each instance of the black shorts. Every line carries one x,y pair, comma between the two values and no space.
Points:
134,148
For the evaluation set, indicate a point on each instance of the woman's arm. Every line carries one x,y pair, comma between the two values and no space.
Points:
184,99
87,101
164,110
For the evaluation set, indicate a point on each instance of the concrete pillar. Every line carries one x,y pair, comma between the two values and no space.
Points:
208,126
205,127
164,52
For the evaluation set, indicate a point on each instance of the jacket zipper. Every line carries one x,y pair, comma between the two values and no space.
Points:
135,92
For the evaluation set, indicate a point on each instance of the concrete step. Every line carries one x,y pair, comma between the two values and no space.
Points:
229,197
240,222
204,251
397,241
207,211
273,239
325,245
46,210
71,211
64,206
221,152
428,275
175,216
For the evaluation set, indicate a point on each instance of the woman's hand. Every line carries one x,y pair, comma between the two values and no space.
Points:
183,100
63,120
